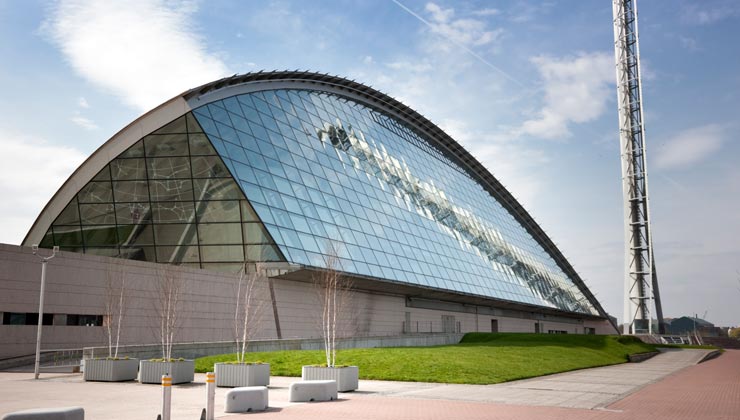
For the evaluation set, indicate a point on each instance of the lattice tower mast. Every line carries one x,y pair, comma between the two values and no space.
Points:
641,283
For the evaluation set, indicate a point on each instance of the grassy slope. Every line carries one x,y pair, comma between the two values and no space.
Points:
480,358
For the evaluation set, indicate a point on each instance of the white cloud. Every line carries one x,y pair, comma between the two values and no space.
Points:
82,103
411,66
487,12
690,146
31,171
577,90
83,122
702,14
467,32
142,51
524,12
688,43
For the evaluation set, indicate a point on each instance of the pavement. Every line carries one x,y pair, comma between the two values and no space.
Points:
669,386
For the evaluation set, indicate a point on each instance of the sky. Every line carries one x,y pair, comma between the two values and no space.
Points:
528,87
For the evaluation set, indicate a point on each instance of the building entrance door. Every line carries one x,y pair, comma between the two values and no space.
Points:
494,325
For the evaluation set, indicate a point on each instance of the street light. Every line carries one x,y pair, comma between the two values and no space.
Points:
44,260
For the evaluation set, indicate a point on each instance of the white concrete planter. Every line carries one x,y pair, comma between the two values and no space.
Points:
111,370
233,375
347,377
180,371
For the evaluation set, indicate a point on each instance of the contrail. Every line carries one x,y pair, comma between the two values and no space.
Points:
468,50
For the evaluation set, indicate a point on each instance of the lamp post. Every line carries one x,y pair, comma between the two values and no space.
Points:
44,260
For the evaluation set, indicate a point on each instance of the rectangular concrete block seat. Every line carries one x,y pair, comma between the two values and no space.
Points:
60,413
305,391
246,399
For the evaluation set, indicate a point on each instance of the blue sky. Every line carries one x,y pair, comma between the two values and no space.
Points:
526,86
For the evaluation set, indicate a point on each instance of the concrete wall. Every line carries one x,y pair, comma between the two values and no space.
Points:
77,284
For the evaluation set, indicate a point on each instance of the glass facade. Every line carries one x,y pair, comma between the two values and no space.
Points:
288,175
324,172
170,199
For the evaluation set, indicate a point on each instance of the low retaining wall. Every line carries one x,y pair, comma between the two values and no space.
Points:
641,357
195,350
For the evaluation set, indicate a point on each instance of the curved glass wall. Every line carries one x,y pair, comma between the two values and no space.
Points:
324,172
170,199
287,175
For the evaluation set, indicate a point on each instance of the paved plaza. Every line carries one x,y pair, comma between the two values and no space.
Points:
671,385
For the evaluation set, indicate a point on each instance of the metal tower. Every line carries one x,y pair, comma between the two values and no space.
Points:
641,282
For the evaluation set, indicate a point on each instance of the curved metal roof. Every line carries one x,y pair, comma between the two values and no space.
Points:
305,80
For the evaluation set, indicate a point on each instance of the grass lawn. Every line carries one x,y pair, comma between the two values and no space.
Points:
480,358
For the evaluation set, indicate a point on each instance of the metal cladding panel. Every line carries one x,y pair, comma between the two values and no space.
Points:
330,175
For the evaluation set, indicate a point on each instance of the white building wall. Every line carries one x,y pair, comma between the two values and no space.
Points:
76,284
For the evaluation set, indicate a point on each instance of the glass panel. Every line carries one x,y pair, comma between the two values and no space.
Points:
137,150
193,126
177,126
103,175
130,191
199,145
219,233
67,236
70,215
171,190
248,214
132,213
209,167
99,235
255,233
169,167
48,240
97,214
128,169
216,189
166,145
131,235
142,253
225,253
175,234
218,211
96,192
173,212
262,253
178,254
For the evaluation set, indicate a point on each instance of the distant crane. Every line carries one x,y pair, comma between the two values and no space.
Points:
641,292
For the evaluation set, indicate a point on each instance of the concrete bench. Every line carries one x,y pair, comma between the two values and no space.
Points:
60,413
245,399
305,391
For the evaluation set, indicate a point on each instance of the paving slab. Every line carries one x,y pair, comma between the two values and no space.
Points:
540,397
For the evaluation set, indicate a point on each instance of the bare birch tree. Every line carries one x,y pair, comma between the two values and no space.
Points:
335,296
169,302
249,309
115,306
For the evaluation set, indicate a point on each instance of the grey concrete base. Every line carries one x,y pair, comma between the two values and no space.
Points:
309,391
233,375
246,399
111,370
347,377
63,413
181,372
